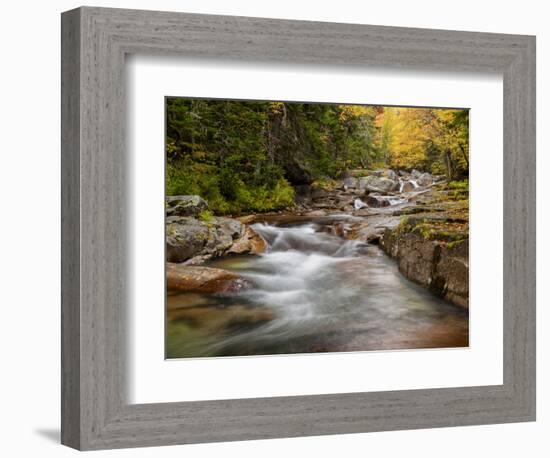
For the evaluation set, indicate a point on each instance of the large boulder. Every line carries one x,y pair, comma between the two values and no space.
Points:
416,257
378,184
185,205
186,237
451,274
362,183
425,258
391,175
201,279
193,241
350,183
425,180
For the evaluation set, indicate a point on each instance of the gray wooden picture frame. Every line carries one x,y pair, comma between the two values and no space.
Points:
95,412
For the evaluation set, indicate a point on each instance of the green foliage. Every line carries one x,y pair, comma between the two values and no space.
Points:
246,156
206,216
463,185
325,184
436,140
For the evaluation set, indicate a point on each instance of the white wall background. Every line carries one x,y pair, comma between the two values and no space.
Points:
29,227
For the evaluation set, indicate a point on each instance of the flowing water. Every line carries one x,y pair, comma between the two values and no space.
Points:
313,292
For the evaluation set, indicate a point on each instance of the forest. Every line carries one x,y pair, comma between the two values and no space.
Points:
247,156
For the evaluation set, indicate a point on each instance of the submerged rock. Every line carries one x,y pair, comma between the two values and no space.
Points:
203,279
219,319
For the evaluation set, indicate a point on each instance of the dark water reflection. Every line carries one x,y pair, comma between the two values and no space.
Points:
313,292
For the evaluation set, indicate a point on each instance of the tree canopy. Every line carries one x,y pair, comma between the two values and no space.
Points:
248,156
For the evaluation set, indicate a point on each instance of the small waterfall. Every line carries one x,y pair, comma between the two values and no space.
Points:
308,239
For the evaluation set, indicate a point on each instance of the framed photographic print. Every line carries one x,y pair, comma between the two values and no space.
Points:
285,228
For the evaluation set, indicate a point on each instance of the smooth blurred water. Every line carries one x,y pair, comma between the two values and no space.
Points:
326,294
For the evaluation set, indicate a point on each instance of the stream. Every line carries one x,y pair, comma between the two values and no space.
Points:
326,294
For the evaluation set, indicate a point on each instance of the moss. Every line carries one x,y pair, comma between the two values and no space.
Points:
425,230
463,185
454,243
326,184
206,216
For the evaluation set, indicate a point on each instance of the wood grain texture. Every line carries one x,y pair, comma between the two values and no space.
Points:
70,229
96,414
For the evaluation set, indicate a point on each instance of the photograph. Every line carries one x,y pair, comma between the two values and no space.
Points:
296,228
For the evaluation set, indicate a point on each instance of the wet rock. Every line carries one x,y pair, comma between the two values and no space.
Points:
435,259
408,186
186,237
203,279
415,209
247,219
338,229
365,232
185,205
451,276
362,212
316,213
391,175
194,241
349,209
415,173
425,180
358,204
416,257
375,201
251,242
350,183
380,184
362,183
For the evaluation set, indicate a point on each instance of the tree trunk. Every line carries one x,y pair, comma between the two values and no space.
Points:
449,165
465,156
